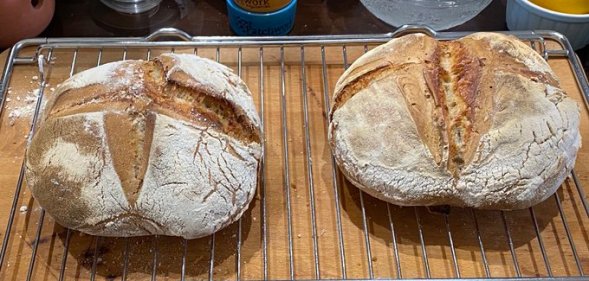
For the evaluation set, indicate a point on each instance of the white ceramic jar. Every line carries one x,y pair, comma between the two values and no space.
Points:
525,15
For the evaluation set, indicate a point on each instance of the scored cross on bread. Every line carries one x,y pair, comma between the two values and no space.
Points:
169,146
480,121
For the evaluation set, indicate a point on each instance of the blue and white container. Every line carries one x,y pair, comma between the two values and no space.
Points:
275,23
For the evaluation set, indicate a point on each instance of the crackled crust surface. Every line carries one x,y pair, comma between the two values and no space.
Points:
480,121
169,146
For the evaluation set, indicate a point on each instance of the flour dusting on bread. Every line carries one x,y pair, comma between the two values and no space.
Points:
125,151
480,121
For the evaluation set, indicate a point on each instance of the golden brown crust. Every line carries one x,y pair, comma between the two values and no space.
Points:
460,75
155,93
138,148
129,140
226,114
479,121
379,62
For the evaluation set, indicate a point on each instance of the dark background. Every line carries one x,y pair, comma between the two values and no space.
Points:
90,18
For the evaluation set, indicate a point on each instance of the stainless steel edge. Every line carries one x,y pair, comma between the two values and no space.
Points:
10,62
576,65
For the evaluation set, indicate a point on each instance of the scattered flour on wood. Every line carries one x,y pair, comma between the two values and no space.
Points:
24,107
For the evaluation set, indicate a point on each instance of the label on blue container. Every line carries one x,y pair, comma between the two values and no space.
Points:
250,28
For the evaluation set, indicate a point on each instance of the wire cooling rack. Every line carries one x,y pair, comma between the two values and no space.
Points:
306,221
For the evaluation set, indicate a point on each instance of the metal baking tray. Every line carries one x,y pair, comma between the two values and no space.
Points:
306,221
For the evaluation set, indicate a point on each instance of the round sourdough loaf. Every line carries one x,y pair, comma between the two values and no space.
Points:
169,146
480,121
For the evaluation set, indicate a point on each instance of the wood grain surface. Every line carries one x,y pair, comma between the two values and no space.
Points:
289,180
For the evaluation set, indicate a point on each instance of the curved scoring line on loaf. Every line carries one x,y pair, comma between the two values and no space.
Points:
513,55
461,98
148,91
515,48
389,56
100,76
221,94
92,85
179,102
214,79
360,83
224,114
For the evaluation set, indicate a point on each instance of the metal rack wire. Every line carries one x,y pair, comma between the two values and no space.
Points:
44,53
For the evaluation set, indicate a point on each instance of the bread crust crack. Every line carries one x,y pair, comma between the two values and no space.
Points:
459,77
